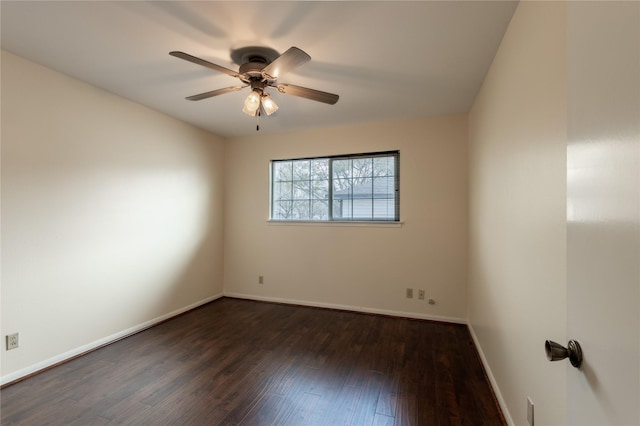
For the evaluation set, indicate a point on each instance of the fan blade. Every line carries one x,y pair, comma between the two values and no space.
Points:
303,92
214,93
204,63
284,63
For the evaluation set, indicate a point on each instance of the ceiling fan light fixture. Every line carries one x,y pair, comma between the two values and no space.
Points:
252,103
268,104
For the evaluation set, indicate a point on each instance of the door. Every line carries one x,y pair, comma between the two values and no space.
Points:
603,211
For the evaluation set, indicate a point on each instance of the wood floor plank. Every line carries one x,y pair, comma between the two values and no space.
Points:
406,411
365,409
387,403
382,420
302,411
246,363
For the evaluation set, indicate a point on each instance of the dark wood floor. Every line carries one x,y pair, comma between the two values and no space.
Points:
239,362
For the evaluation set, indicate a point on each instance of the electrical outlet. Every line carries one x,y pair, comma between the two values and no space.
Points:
432,302
12,341
530,417
260,279
409,293
421,294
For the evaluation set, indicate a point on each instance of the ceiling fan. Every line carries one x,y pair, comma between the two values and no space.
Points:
260,68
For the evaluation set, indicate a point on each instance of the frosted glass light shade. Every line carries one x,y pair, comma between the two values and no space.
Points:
252,103
269,105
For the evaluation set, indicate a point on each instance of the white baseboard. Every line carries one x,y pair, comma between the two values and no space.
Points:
17,375
494,384
364,309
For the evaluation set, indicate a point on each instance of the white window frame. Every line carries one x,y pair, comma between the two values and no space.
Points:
395,219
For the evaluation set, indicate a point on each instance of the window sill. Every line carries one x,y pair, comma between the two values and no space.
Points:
347,223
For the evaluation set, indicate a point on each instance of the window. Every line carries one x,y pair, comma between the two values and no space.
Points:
359,187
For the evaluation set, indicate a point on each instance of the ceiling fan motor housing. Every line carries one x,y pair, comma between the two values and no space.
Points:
252,60
252,71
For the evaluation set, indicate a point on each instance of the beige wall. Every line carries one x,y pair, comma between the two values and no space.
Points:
364,268
517,228
111,215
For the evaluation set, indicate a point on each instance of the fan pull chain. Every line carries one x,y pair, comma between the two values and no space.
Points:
258,121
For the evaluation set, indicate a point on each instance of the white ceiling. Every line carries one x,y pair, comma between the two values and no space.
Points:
386,60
